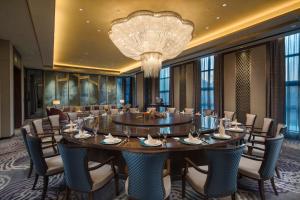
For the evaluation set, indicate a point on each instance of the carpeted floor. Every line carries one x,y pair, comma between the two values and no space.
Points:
15,186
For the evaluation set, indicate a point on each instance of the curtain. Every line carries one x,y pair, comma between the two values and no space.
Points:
275,73
219,84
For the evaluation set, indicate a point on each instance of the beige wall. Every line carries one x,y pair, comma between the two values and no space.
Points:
190,87
257,82
6,89
140,90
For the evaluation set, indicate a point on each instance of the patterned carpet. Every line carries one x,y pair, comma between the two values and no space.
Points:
15,186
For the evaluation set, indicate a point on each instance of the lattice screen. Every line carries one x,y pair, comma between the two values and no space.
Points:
242,88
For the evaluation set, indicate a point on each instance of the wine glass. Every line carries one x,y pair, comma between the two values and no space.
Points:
127,133
96,128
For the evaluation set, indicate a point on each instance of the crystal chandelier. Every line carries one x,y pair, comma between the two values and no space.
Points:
151,37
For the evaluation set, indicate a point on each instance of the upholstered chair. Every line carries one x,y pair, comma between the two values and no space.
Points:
133,110
219,177
46,135
146,179
82,178
72,116
44,166
262,169
229,115
55,126
95,112
151,109
114,111
266,130
171,110
250,123
189,111
208,112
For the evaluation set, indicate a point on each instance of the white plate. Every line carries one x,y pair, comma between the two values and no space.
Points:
157,143
69,125
224,137
236,123
235,129
82,136
195,141
111,141
70,130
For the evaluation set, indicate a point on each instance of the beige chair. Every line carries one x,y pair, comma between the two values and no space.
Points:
72,116
208,112
55,126
151,109
114,111
229,115
266,130
189,111
250,123
171,110
133,110
95,112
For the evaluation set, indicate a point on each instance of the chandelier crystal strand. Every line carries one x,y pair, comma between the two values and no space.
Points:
151,38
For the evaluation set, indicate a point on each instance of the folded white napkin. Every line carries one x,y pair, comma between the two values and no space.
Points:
221,128
198,113
82,132
104,114
121,112
150,140
191,138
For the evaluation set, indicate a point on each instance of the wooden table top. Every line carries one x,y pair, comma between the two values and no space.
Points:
144,120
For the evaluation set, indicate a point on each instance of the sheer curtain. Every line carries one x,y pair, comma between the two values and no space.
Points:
292,55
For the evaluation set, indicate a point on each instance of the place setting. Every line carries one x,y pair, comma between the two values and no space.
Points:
110,140
71,127
150,141
221,135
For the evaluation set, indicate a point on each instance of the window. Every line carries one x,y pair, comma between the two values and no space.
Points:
164,85
292,54
207,83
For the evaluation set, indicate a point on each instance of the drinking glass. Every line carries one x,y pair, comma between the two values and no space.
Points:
127,133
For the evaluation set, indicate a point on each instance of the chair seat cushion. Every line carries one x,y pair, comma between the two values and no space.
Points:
55,165
197,179
167,185
101,176
249,167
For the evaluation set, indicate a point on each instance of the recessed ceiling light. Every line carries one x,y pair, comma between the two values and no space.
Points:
218,18
88,21
207,27
224,4
80,9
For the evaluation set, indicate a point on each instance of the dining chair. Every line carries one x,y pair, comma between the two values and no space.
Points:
82,178
250,123
133,110
208,112
219,177
189,111
95,112
54,123
44,166
171,110
229,115
263,169
114,111
151,109
46,135
72,116
266,130
146,179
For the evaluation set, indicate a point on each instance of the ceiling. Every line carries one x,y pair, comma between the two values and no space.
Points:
81,27
29,25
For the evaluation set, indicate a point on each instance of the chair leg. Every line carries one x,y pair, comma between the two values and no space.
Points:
35,181
67,193
274,186
277,172
261,189
233,196
116,184
53,144
90,196
183,186
46,180
30,169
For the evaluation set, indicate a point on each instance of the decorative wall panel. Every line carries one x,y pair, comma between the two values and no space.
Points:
111,90
242,89
73,89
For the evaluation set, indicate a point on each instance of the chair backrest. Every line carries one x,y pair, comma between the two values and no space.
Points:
189,111
229,115
54,120
114,111
223,166
208,112
281,129
145,175
267,125
38,126
25,130
272,152
171,110
151,109
133,110
95,112
36,153
76,167
72,116
250,119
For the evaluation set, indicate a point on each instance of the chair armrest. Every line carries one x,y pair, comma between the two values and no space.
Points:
252,157
50,156
261,134
189,162
254,147
109,160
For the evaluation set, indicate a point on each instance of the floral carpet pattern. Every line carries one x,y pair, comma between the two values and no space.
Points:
14,184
